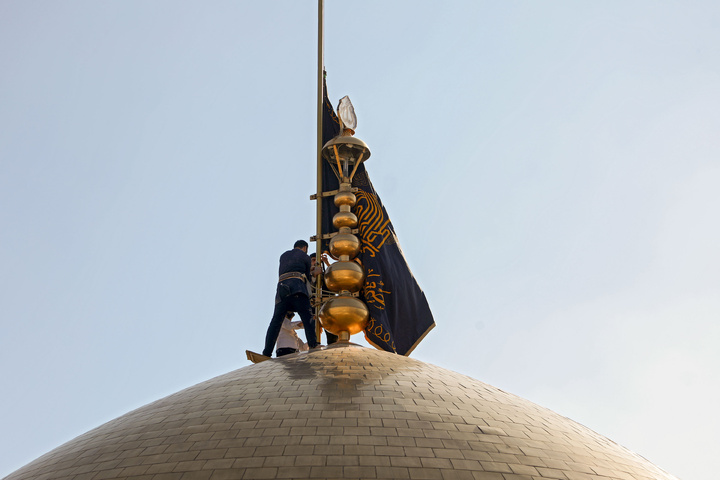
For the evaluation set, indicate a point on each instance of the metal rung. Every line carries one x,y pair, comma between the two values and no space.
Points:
327,236
330,193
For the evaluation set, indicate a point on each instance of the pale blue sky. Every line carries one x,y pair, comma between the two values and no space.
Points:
551,169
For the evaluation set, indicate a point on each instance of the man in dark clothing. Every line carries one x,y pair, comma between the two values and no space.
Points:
292,295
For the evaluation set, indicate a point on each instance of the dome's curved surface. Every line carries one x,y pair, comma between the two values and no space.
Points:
341,412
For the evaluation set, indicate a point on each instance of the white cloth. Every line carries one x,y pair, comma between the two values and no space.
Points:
288,338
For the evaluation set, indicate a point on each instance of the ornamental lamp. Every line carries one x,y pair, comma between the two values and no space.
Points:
345,152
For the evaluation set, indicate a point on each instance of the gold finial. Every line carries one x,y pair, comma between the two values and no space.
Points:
344,314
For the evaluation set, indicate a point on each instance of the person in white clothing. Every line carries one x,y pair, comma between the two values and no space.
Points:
288,341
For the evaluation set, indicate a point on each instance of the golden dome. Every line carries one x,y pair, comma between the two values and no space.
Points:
341,412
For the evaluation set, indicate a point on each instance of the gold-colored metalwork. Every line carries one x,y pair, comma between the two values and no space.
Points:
347,147
344,244
344,314
358,162
344,276
345,198
337,158
345,219
255,357
346,151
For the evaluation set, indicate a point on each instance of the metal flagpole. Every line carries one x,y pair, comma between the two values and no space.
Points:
318,242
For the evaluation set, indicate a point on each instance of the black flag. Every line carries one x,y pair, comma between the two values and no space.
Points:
399,313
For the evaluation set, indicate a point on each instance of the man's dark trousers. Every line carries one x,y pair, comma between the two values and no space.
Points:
299,303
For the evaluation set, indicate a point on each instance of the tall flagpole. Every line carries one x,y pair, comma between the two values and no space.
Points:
320,96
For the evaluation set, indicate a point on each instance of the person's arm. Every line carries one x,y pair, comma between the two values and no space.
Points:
308,269
317,270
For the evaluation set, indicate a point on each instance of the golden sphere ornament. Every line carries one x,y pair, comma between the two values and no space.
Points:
344,276
344,314
344,244
345,219
345,198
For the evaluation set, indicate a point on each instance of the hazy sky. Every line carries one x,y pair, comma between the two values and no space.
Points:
551,169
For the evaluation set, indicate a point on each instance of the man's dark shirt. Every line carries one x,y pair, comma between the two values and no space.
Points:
295,260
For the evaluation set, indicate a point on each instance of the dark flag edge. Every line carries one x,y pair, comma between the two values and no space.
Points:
399,312
410,350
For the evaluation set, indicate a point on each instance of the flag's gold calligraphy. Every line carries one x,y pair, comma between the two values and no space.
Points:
373,292
372,223
379,332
